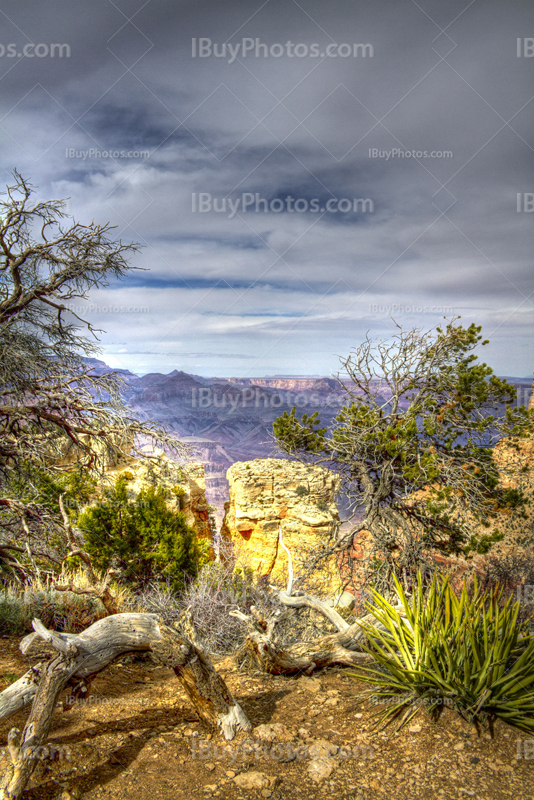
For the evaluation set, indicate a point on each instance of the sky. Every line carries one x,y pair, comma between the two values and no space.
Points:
299,174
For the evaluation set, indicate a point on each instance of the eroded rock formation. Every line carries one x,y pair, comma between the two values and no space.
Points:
268,493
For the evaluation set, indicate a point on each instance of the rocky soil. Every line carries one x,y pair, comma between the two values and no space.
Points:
138,738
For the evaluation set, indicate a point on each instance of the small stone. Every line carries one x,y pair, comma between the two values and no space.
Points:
230,773
358,716
320,769
268,733
415,729
251,780
266,793
322,748
210,787
310,684
209,766
459,746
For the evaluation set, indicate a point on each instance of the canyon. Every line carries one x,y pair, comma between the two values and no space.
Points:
225,421
229,420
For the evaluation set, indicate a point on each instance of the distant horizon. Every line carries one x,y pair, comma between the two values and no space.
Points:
526,378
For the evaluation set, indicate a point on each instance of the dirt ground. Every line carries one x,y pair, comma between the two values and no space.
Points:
139,738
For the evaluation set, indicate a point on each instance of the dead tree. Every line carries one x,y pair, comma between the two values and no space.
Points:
80,657
57,414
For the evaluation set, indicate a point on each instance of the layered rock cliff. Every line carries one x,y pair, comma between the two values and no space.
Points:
291,384
268,493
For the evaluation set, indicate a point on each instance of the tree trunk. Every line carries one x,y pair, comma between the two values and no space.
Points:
277,659
82,656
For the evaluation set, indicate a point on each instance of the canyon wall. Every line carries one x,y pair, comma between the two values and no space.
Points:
290,384
268,493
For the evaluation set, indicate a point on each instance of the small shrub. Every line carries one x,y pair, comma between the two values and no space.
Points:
508,570
58,610
510,573
301,491
160,599
218,589
468,652
142,537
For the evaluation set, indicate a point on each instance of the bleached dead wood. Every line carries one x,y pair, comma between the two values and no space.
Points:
279,659
305,600
343,647
83,655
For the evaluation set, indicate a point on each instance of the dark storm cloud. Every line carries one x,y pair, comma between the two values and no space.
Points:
131,126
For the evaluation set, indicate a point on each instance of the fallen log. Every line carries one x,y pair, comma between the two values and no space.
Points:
342,647
81,656
276,658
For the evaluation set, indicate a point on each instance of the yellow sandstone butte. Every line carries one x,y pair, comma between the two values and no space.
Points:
268,493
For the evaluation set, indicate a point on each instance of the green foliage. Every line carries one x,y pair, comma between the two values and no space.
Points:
142,536
305,434
468,652
414,441
301,491
34,484
482,543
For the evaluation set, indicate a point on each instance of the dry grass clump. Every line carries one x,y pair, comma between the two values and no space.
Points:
68,603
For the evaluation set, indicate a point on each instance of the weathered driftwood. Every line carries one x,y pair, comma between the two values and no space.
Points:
82,656
97,646
343,647
278,659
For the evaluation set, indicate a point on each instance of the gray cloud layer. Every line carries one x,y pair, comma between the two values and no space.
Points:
270,292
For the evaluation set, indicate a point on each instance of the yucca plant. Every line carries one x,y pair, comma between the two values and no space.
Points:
437,648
